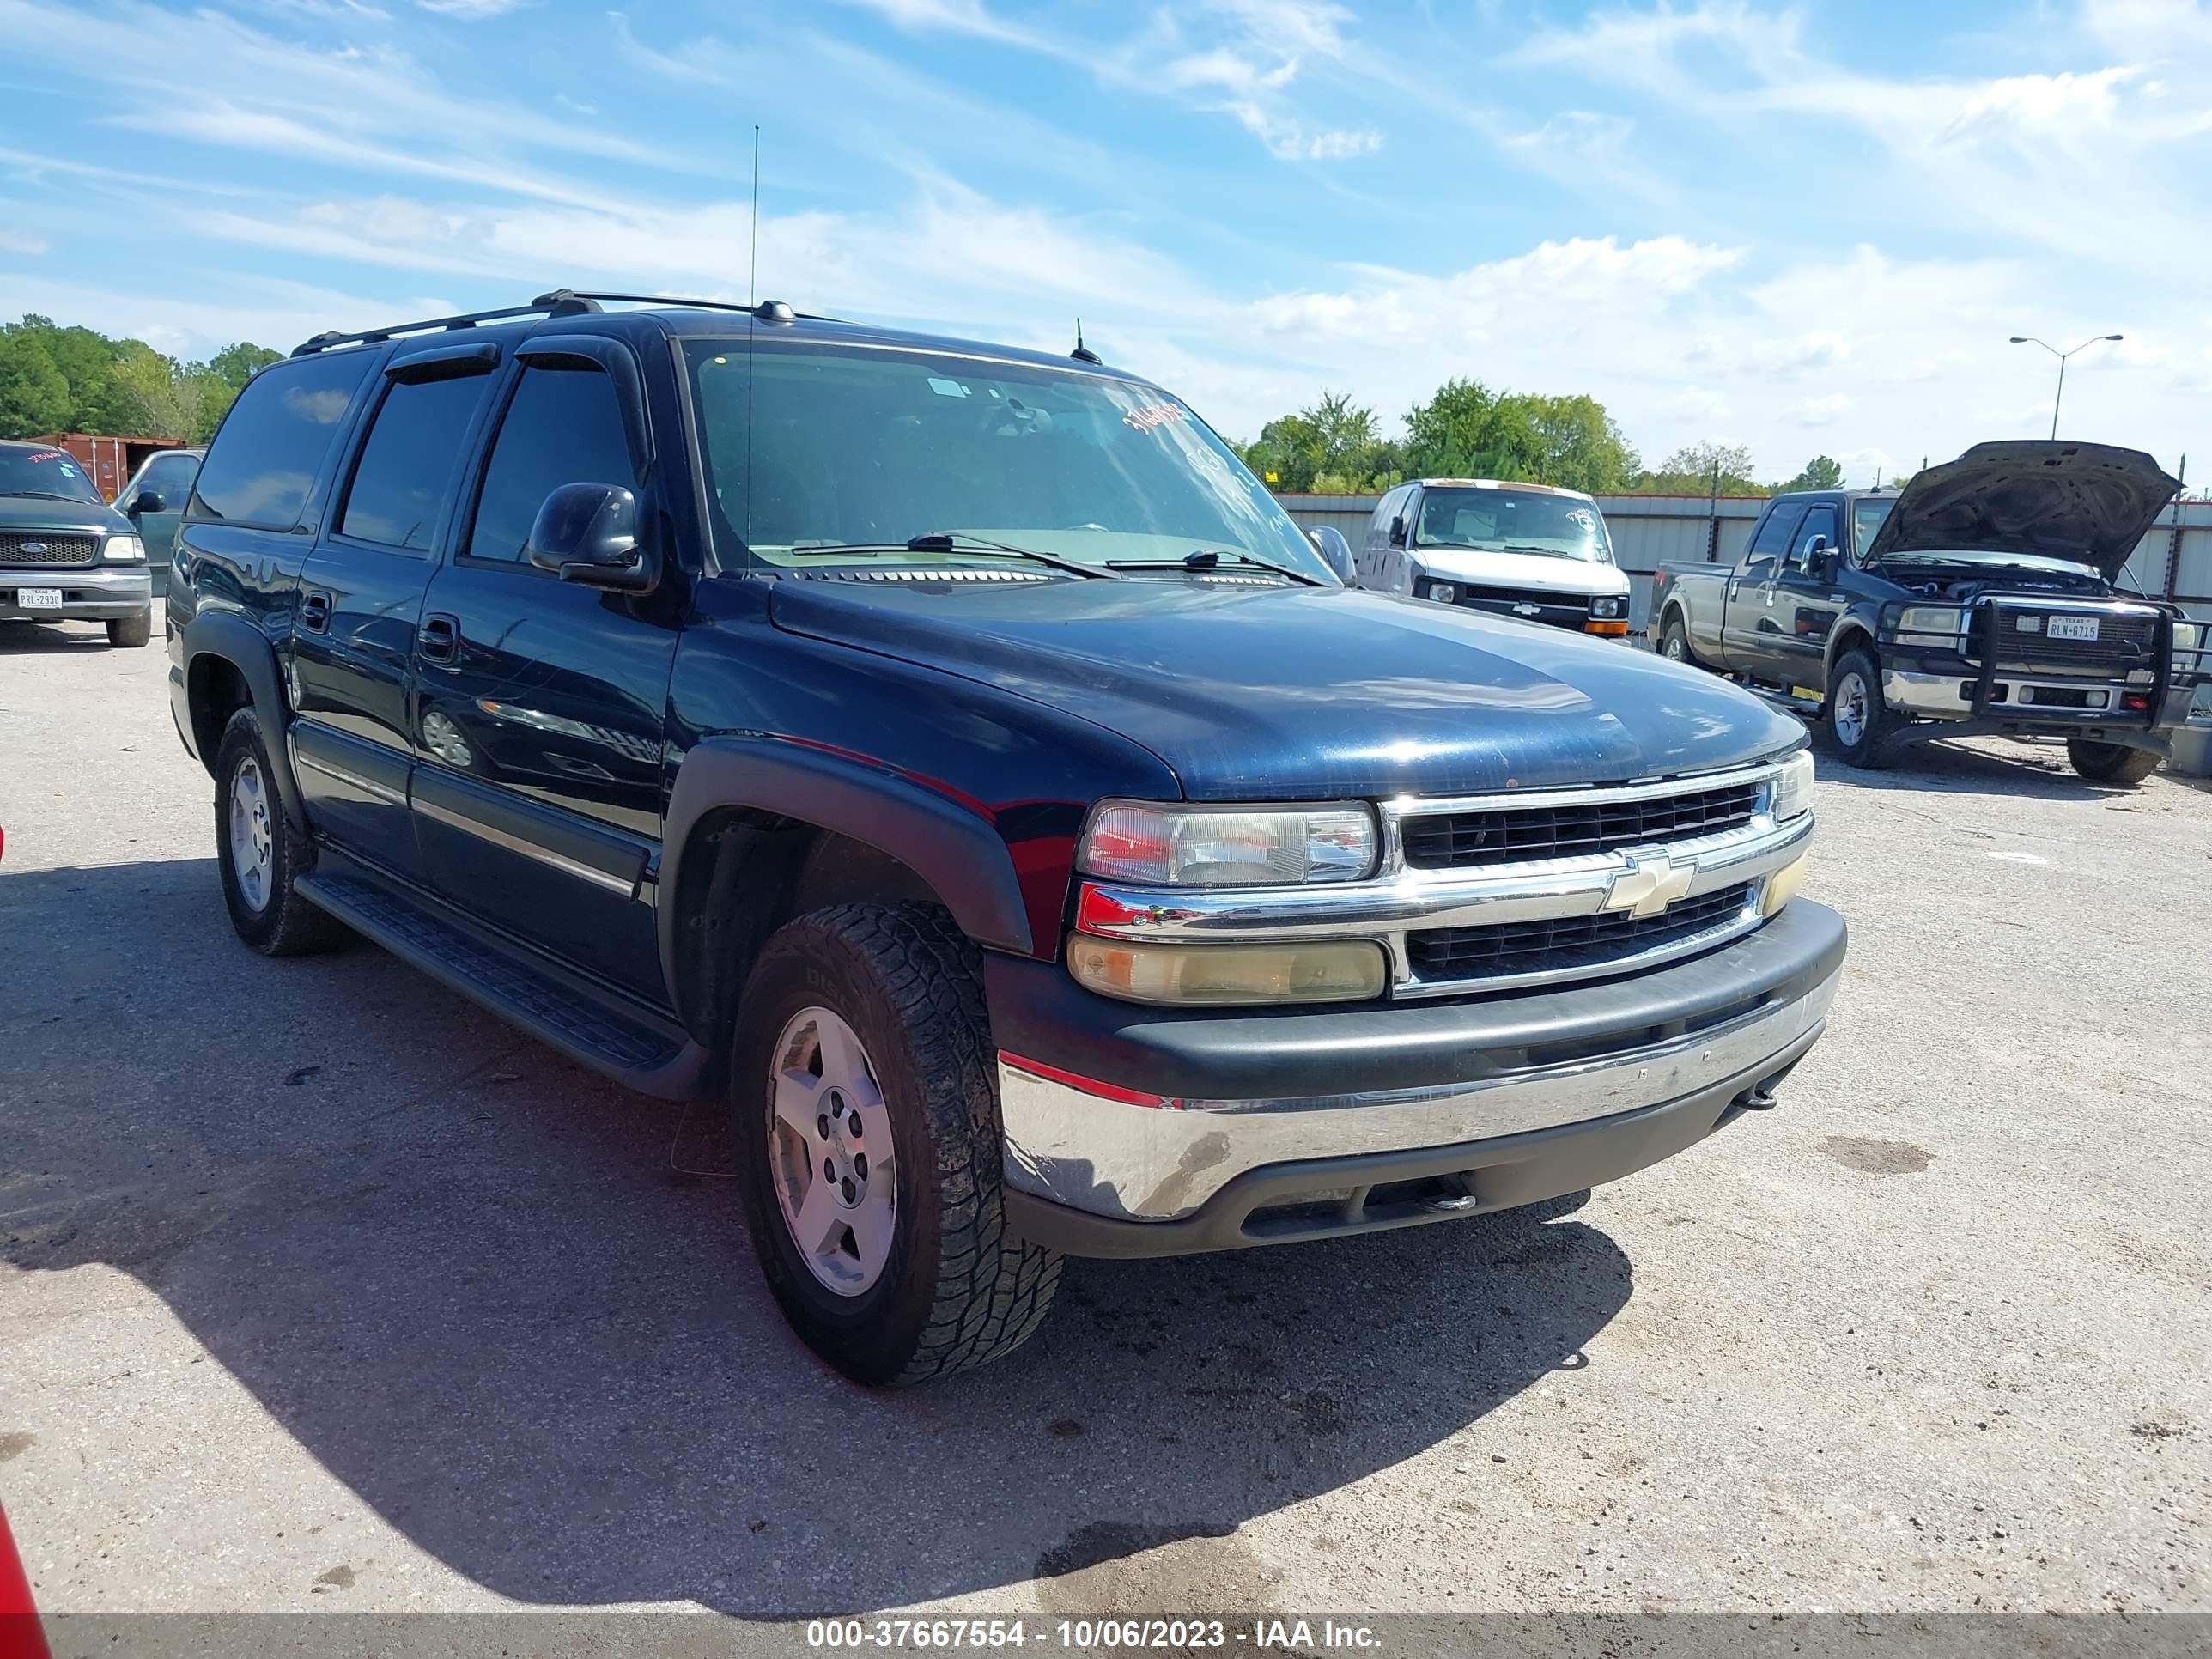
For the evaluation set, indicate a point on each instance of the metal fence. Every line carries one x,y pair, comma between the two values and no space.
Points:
2175,560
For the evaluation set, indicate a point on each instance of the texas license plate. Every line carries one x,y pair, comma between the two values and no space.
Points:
39,599
2072,628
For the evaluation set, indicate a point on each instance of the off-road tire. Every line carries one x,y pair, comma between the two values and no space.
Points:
1674,634
132,630
958,1289
1871,749
287,925
2111,763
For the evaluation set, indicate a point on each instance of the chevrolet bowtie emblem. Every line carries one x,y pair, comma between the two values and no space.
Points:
1528,610
1650,885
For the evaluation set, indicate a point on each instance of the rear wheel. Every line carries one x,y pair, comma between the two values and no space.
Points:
2111,763
259,853
864,1104
132,630
1858,724
1675,641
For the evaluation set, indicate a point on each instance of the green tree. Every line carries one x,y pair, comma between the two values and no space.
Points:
34,395
1821,472
1689,472
234,365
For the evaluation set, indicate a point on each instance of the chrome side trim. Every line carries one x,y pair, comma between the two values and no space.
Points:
529,849
368,786
1157,1164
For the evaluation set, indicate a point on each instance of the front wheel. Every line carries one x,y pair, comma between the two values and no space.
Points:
1858,724
864,1104
260,853
132,630
2110,762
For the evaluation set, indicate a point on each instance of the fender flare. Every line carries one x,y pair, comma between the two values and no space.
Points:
229,636
1852,633
951,846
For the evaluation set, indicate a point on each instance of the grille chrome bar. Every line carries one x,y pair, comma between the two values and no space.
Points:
1400,899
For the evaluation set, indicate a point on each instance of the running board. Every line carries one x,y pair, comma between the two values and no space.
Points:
606,1033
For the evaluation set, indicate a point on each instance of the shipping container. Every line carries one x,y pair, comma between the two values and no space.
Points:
110,462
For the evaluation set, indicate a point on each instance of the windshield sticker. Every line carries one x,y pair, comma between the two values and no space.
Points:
1583,520
1152,416
51,455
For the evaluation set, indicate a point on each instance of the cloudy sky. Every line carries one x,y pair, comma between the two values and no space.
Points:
1807,229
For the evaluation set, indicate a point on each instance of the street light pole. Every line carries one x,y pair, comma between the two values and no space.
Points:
2029,339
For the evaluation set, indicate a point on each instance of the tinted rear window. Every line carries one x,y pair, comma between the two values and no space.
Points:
275,438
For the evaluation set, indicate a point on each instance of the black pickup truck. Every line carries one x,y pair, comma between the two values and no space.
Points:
953,760
1979,600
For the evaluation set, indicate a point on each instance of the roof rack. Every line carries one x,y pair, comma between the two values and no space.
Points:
561,302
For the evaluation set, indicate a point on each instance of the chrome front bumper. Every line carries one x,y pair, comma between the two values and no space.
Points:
90,593
1153,1163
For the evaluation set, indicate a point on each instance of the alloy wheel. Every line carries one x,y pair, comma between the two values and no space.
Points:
830,1151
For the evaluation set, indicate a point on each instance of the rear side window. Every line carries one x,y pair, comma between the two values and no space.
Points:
563,426
406,468
275,438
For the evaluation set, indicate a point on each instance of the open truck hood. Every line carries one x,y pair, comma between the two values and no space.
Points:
2089,502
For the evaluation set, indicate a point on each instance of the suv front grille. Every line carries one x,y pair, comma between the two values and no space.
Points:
1457,841
1568,943
53,547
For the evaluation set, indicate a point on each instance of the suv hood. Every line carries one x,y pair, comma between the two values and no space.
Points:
1277,693
83,518
2091,502
1485,566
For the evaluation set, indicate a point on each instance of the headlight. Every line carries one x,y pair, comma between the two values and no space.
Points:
1793,787
123,550
1320,970
1227,846
1443,592
1608,606
1931,619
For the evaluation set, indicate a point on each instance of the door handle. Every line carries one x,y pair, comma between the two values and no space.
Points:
439,639
315,611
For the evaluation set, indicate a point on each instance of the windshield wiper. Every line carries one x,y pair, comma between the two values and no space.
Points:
947,541
51,495
1208,558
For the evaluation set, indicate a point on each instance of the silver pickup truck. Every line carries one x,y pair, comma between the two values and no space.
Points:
1981,599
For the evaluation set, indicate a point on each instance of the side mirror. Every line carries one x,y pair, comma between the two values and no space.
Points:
587,533
1335,551
1820,559
146,501
1398,531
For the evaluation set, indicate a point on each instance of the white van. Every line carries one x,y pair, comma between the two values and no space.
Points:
1519,550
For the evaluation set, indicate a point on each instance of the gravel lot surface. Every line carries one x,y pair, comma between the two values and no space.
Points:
321,1289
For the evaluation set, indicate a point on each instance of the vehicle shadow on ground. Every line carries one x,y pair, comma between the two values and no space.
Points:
23,639
464,1275
1989,766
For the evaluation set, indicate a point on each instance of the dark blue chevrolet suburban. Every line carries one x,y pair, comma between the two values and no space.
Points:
951,759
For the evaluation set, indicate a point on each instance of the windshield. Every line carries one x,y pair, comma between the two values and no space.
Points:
859,449
44,472
1514,521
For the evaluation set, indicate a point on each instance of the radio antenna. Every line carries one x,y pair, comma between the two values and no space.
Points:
752,272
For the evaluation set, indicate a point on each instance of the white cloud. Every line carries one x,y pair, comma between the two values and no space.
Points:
1823,410
1235,58
471,10
17,241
